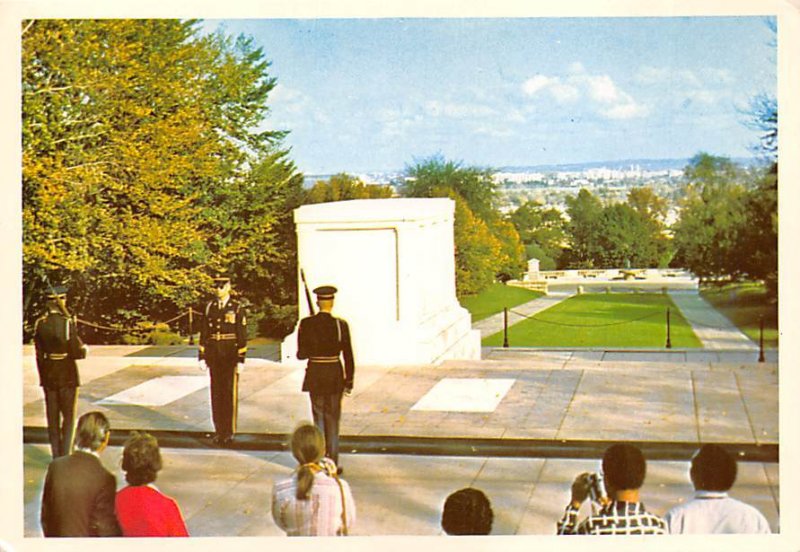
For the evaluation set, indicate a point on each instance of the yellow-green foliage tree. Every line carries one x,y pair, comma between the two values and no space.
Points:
143,167
342,187
487,245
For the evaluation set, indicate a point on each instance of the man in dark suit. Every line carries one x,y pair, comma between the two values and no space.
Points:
78,498
57,348
324,339
223,345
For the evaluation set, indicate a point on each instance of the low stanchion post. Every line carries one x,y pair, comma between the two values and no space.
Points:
505,327
191,332
761,338
669,341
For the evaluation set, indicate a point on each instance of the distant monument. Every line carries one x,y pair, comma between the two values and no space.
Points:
393,262
533,271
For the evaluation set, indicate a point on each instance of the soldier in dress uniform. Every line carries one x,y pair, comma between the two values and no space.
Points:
324,340
57,349
223,345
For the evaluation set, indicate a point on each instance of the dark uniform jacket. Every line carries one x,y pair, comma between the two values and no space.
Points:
57,348
223,334
78,499
320,339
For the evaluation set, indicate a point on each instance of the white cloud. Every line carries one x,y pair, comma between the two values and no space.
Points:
537,83
558,90
602,89
603,95
565,93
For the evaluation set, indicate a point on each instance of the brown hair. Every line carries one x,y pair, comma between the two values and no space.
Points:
92,430
308,446
141,458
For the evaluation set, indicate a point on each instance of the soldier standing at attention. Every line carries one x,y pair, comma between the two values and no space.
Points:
223,345
57,348
323,339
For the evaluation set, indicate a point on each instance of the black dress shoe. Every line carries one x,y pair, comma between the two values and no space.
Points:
218,440
227,441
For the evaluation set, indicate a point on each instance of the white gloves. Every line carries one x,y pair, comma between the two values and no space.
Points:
240,368
202,365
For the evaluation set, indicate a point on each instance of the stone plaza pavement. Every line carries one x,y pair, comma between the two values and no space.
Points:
549,413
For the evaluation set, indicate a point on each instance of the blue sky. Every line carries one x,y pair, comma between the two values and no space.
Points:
362,95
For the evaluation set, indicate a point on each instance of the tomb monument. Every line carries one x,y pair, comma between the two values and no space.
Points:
393,262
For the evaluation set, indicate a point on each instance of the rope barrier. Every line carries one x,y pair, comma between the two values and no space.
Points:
659,313
124,329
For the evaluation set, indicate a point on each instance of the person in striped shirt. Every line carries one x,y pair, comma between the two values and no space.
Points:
313,501
621,512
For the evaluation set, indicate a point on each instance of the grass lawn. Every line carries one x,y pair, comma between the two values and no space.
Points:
603,320
494,298
744,304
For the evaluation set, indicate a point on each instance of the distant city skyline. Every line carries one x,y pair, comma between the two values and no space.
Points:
366,95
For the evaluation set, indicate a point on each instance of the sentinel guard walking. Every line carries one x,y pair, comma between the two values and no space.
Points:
324,339
57,348
223,345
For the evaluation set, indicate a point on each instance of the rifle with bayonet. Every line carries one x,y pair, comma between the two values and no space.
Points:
308,293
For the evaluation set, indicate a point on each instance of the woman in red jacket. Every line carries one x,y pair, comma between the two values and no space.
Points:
142,510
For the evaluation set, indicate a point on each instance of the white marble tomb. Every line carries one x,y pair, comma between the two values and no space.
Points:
393,262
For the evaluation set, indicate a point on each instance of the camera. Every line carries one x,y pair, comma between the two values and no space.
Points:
597,488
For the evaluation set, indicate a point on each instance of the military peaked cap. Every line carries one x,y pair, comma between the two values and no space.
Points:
325,292
221,278
57,291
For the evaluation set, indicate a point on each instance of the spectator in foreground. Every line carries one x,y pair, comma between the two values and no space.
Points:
313,501
142,510
78,498
713,472
621,513
467,512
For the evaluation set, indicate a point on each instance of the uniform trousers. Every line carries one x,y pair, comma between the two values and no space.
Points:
60,404
326,410
224,398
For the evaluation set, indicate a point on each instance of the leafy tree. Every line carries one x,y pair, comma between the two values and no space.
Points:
712,212
487,247
758,237
585,229
343,186
649,205
542,230
630,238
617,234
477,250
512,251
142,165
434,176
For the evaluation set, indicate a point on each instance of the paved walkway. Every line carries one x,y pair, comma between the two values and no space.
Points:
713,329
495,323
559,397
394,494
